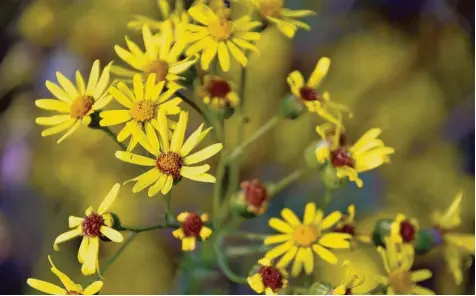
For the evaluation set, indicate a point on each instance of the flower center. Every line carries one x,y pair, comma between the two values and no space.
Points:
346,228
220,29
305,235
348,291
160,68
81,106
407,231
218,88
401,281
143,110
309,94
270,7
73,293
271,277
192,225
341,157
91,225
255,192
170,163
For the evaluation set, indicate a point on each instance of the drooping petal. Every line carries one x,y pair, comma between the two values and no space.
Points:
52,120
169,182
58,129
67,282
45,287
66,236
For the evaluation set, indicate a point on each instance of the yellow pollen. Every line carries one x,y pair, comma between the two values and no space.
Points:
221,29
143,110
81,106
160,68
170,163
305,235
270,8
401,281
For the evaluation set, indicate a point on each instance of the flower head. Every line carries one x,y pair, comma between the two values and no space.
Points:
253,198
216,33
350,281
299,239
172,159
284,19
94,226
219,93
366,154
398,262
268,278
403,230
347,225
307,94
192,227
70,288
161,56
143,104
458,247
74,102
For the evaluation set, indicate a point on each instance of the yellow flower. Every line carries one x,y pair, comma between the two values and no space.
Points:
347,225
351,281
366,154
458,247
267,278
70,288
92,227
161,56
192,226
143,104
274,12
299,239
217,34
172,158
218,92
74,102
400,280
307,92
178,16
403,231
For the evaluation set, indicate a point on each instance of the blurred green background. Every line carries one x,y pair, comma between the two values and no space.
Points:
406,66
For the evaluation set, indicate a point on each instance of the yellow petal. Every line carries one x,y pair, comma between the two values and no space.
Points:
451,218
120,97
278,238
335,240
325,254
109,199
45,287
198,46
193,171
154,189
421,275
145,180
370,135
320,71
236,53
203,154
205,232
70,131
74,221
169,182
279,250
152,137
419,290
163,130
94,288
58,92
308,260
202,14
298,263
465,241
223,56
286,259
93,77
112,234
256,283
295,80
290,217
67,85
280,225
207,178
66,237
102,102
113,117
53,105
179,133
249,36
103,82
331,219
138,87
188,244
178,233
52,120
309,213
135,158
58,129
191,142
91,257
67,282
208,54
83,248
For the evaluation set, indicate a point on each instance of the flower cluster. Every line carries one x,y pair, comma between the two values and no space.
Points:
187,48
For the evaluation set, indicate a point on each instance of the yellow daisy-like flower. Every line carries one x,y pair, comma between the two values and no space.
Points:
458,247
366,154
267,278
274,12
347,225
192,227
401,280
143,104
161,56
178,16
403,231
172,157
307,92
350,281
218,93
216,34
74,102
70,288
299,239
92,227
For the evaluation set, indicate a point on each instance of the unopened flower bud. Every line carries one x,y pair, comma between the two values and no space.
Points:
111,220
330,178
425,240
310,155
252,200
292,107
381,231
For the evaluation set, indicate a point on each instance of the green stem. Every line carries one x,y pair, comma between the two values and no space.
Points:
168,210
218,188
150,227
113,136
248,235
223,263
286,181
272,122
327,198
116,255
245,250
